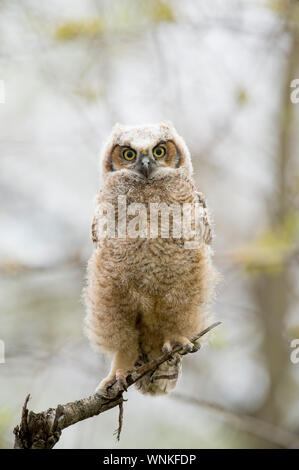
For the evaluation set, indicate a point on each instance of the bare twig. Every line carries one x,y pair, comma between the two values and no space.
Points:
120,420
43,430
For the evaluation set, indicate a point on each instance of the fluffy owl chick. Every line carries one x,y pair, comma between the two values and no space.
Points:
148,283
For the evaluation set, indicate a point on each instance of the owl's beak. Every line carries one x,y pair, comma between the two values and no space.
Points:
146,166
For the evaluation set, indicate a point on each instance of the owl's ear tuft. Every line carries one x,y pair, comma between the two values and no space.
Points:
167,124
117,128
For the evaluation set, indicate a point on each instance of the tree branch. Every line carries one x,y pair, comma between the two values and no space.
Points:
43,430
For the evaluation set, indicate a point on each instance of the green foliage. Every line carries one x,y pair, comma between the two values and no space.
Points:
270,250
126,17
89,94
82,28
242,97
279,6
284,9
293,331
219,338
6,417
160,10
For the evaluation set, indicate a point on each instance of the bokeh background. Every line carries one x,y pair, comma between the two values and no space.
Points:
221,71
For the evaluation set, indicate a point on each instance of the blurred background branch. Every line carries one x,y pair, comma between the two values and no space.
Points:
262,429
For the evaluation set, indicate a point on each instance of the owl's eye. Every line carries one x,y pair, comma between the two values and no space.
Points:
129,154
159,151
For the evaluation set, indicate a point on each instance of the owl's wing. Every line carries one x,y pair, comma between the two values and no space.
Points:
94,229
207,226
95,220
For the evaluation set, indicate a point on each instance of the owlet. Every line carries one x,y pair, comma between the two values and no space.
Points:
150,278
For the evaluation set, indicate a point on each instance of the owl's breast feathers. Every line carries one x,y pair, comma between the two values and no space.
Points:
156,265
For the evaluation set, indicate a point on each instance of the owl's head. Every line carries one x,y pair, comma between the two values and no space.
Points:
148,151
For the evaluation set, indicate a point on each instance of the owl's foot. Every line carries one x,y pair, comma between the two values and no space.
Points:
103,389
121,377
181,342
196,347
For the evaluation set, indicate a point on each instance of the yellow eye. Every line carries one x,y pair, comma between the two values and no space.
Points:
159,151
129,154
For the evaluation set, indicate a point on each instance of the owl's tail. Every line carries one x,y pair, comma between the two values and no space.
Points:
163,379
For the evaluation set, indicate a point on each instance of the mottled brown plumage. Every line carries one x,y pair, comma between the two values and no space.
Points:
146,294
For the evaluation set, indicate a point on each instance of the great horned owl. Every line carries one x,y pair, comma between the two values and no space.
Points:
146,294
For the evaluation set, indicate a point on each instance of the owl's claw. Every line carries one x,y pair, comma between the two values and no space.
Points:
196,347
183,343
121,379
167,348
187,348
103,388
102,393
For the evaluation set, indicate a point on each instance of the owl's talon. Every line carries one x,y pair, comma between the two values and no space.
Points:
103,388
183,343
167,348
122,383
101,393
196,347
187,348
121,378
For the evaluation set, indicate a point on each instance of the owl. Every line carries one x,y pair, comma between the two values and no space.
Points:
149,283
